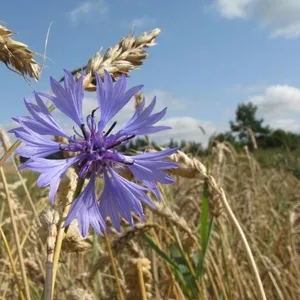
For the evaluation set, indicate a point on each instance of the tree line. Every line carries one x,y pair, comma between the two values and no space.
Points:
247,126
246,130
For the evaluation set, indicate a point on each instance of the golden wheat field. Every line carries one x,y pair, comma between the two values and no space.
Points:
228,228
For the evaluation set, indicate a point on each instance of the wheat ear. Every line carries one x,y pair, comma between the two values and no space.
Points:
17,55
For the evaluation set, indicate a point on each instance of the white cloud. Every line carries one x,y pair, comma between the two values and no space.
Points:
88,8
165,98
188,129
232,9
142,22
279,106
281,16
278,100
286,124
290,31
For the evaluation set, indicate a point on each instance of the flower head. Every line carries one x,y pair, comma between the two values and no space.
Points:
96,149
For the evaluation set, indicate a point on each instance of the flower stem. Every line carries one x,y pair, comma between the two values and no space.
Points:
61,232
58,244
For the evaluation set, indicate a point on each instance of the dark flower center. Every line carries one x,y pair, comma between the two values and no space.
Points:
97,149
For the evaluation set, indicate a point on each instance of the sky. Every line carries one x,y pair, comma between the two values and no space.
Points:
211,55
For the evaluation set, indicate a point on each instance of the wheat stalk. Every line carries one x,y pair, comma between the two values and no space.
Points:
6,145
65,194
114,266
220,191
18,55
12,263
16,234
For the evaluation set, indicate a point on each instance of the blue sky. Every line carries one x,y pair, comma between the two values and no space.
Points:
211,55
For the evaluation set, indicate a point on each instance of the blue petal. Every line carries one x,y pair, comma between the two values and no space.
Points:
142,121
108,203
156,155
41,121
152,187
149,130
85,209
150,171
112,98
68,99
35,144
51,171
121,197
136,191
150,166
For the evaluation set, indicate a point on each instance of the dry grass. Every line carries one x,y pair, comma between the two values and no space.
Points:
265,201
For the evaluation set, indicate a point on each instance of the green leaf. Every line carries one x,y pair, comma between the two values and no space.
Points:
178,275
185,267
206,228
160,252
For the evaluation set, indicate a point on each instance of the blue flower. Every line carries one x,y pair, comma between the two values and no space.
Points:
96,151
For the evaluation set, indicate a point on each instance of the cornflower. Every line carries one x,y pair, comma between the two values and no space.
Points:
95,151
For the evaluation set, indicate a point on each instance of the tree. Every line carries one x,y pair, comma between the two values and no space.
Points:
246,121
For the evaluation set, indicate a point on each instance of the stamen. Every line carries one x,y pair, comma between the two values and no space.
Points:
85,169
91,124
74,129
121,141
128,137
111,128
84,132
93,112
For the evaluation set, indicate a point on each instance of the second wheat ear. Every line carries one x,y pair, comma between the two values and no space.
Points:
127,55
